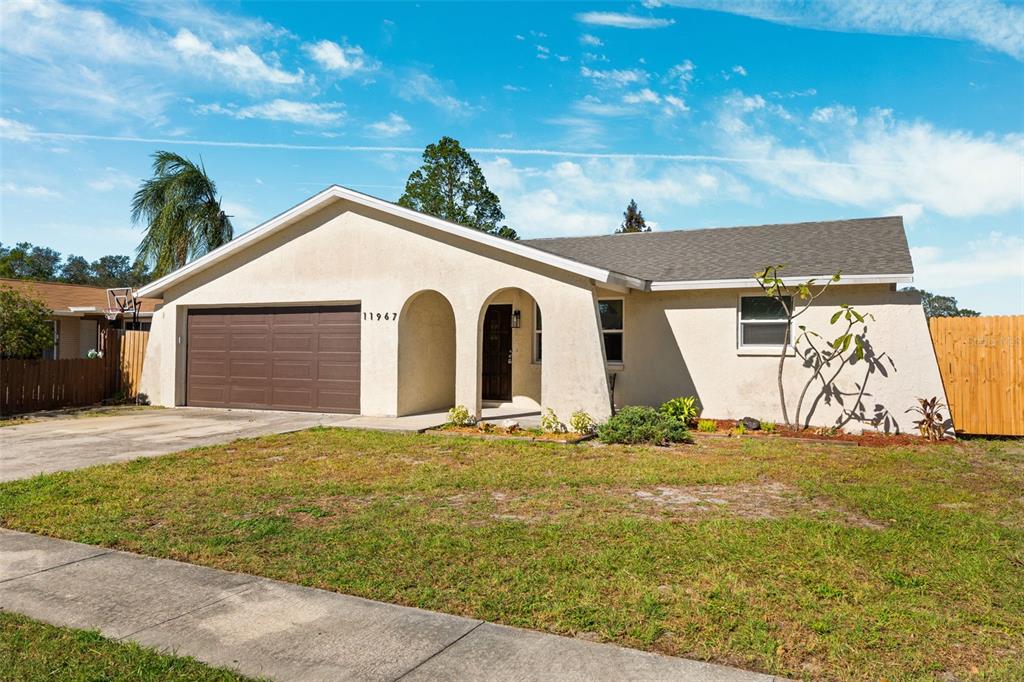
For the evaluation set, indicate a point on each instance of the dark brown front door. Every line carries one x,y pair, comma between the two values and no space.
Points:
300,358
497,352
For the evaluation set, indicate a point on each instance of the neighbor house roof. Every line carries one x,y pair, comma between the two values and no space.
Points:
868,250
859,249
62,298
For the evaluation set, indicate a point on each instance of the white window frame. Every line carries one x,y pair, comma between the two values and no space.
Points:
538,348
757,349
616,364
56,338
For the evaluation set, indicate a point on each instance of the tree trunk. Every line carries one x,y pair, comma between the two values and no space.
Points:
782,362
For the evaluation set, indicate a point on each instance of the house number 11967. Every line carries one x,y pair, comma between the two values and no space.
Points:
376,317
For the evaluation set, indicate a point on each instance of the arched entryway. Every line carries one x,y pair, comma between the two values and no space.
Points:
511,347
426,354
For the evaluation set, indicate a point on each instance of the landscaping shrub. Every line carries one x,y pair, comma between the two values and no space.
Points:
685,409
642,425
549,422
460,416
580,422
707,425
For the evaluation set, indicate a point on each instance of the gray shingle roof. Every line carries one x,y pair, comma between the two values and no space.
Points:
865,246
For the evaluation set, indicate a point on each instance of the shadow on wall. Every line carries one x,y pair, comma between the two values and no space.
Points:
663,380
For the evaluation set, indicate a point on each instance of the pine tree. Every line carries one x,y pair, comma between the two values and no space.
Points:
633,220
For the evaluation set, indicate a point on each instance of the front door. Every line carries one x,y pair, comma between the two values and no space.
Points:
497,353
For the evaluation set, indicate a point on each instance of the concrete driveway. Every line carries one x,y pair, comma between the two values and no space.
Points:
64,443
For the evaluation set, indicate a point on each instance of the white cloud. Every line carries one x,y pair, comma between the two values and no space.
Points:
239,62
393,126
911,213
595,106
112,179
592,40
837,113
343,60
681,75
305,113
739,70
877,162
422,87
30,191
621,20
614,77
15,130
995,258
543,52
994,24
645,96
515,88
571,198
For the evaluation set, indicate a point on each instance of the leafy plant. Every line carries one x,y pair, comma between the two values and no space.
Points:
685,409
637,424
739,429
24,330
550,423
580,422
460,416
932,424
707,425
769,427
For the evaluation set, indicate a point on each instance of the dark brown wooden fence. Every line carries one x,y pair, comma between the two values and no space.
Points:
33,385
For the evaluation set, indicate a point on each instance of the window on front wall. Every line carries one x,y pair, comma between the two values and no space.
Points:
537,333
611,328
763,321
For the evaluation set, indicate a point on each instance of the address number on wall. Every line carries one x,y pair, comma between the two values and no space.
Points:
378,317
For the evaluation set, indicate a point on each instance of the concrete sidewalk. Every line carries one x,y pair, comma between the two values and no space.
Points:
262,627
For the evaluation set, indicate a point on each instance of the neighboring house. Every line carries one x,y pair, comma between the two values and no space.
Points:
79,315
349,303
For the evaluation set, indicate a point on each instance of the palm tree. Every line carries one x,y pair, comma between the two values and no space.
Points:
183,216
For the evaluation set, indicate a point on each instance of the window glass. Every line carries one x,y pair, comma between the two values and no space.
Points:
538,336
763,308
611,314
613,347
772,334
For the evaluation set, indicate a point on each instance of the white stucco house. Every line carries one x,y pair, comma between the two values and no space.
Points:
349,303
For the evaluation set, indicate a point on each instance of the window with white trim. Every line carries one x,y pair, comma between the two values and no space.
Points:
537,334
52,352
612,328
762,322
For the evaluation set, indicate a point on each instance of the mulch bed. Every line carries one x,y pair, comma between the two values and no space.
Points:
867,438
506,434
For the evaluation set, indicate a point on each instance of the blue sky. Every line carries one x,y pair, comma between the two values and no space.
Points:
707,113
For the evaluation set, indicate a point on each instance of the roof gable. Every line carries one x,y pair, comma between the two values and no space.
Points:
336,192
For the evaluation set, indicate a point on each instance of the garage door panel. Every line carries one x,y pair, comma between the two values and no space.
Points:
303,358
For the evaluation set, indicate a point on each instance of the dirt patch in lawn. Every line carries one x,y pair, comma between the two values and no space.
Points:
761,500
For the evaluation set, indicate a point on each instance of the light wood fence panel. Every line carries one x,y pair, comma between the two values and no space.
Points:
981,360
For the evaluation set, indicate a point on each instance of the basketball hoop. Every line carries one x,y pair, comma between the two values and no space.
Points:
112,314
121,302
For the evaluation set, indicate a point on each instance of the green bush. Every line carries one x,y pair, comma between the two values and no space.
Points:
460,416
707,426
685,409
642,425
550,423
580,422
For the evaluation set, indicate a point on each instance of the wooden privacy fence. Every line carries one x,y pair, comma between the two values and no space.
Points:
33,385
981,360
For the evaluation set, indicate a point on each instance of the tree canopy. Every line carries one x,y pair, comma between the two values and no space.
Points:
451,186
43,264
941,306
632,220
24,330
181,211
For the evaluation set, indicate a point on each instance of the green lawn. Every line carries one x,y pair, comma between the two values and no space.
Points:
800,559
30,651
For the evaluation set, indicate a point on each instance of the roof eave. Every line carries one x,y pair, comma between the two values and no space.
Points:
283,220
747,283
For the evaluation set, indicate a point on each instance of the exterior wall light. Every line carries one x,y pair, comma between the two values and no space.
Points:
517,319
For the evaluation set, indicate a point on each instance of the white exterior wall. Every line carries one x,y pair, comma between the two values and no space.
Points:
350,254
686,343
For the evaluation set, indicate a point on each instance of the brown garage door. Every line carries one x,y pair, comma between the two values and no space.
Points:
303,358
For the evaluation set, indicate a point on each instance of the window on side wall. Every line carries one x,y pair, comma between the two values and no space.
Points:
763,322
51,352
537,334
612,329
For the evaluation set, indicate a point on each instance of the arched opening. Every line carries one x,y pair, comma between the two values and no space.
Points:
426,354
511,338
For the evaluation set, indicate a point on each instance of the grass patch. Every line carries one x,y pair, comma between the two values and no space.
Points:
802,559
30,651
76,413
